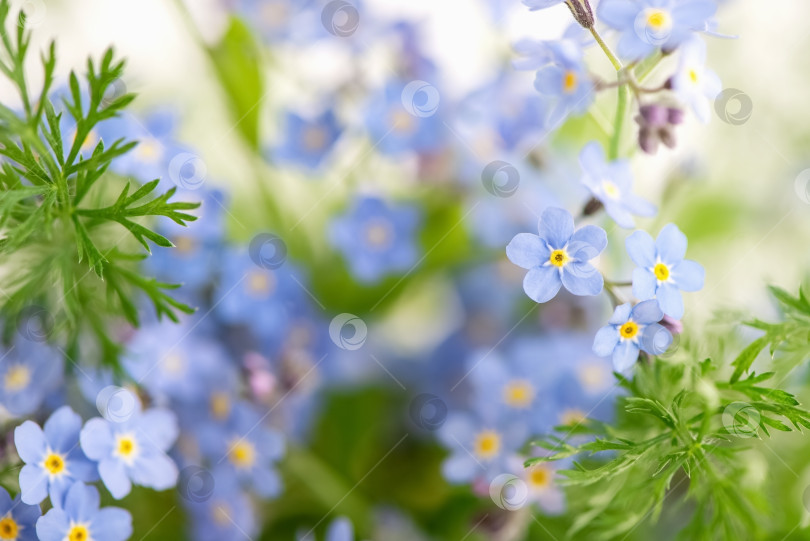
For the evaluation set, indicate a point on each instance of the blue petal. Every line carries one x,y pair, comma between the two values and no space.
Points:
621,314
671,245
96,439
655,339
30,442
669,297
582,279
639,206
114,476
266,482
82,502
53,526
592,158
62,429
647,312
112,524
688,275
542,283
161,427
527,251
693,13
156,471
605,340
620,14
549,80
556,227
641,249
593,236
5,502
460,468
33,484
620,215
625,355
341,528
644,283
632,47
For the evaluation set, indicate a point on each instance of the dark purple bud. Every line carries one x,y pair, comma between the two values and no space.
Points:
582,12
672,325
592,207
667,136
675,115
668,84
654,115
647,140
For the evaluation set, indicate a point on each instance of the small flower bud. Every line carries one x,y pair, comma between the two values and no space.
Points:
592,207
675,115
581,10
667,136
654,115
647,141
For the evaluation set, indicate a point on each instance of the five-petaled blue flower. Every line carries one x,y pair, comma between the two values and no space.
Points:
53,458
646,25
17,520
307,141
662,271
376,238
694,83
565,81
79,518
28,372
133,450
631,330
610,183
558,256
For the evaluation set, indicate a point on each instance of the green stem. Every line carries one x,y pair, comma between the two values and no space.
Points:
618,124
612,57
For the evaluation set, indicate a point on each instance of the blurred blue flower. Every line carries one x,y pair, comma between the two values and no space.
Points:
610,183
630,330
376,239
29,371
395,129
53,459
133,450
558,256
693,82
79,518
565,81
307,141
250,448
662,271
17,520
480,445
226,513
541,4
646,25
340,529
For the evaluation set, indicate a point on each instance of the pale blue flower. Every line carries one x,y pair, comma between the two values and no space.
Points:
610,183
646,25
17,520
133,450
565,81
29,371
53,459
662,271
631,330
695,84
79,518
226,513
307,141
558,256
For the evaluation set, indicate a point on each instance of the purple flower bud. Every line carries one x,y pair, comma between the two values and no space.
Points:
647,140
675,326
667,136
654,115
675,115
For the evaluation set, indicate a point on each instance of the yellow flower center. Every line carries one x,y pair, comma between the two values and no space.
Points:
183,244
127,447
572,417
78,533
260,283
569,82
314,138
378,234
539,476
54,463
8,528
558,258
661,272
628,330
17,377
610,188
242,454
174,364
402,122
658,19
693,76
148,150
518,393
487,444
220,405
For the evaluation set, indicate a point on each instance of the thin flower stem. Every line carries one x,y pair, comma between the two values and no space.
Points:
621,112
627,283
612,57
